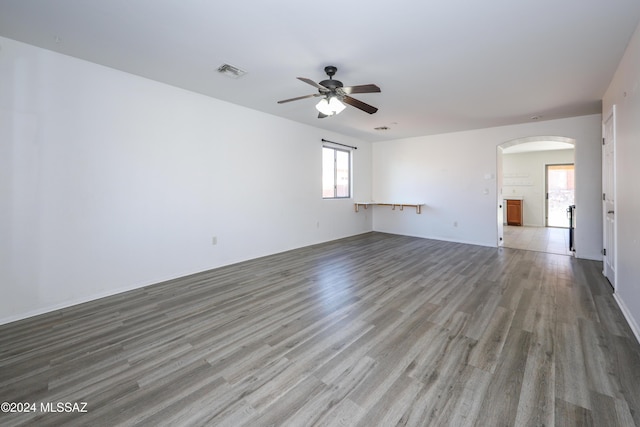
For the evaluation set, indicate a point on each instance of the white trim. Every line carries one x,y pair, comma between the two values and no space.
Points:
627,315
440,239
70,303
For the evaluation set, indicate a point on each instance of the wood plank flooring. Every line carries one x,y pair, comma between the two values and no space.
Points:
372,330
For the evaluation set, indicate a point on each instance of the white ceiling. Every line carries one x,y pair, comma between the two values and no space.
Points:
442,66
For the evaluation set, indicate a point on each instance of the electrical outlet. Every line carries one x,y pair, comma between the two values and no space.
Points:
455,223
214,240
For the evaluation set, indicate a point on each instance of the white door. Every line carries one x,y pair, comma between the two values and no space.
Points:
500,201
608,198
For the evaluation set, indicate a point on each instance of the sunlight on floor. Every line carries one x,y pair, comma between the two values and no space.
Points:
539,239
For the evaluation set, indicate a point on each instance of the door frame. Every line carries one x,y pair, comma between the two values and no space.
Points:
500,200
609,255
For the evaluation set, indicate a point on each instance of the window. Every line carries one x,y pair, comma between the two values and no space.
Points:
336,173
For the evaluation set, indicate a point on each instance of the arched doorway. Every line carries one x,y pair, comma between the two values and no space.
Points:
526,192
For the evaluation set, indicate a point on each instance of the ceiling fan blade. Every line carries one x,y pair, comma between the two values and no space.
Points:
314,84
299,97
361,89
359,104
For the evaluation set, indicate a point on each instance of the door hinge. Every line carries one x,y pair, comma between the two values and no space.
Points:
604,252
604,196
602,141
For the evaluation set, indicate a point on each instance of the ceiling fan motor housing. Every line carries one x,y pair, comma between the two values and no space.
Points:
330,83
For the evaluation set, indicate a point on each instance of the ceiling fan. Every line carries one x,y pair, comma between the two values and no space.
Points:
334,93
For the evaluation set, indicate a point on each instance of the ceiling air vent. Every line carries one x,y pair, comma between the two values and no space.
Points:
231,71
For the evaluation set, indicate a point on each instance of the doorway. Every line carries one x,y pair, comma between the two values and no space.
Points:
523,174
560,194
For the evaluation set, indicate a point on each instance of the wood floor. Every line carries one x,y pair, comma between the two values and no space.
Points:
373,330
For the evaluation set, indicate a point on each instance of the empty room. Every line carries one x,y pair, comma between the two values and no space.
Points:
332,214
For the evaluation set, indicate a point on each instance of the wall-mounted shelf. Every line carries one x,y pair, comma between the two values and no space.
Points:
365,205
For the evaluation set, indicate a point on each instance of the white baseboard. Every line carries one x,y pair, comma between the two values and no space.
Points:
65,304
439,238
627,315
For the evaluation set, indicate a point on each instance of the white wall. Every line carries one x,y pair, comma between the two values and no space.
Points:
532,166
454,174
109,182
625,94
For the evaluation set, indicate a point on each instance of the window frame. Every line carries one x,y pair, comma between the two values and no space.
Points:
337,150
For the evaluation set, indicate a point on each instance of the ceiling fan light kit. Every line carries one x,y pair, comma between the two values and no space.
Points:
335,95
330,107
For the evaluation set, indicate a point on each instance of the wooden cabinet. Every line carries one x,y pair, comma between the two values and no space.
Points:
514,212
